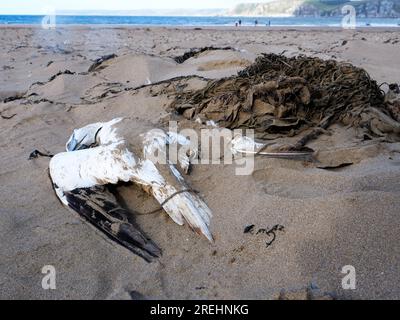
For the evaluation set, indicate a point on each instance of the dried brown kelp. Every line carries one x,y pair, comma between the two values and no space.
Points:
392,100
59,73
278,95
97,64
195,52
36,154
13,98
7,117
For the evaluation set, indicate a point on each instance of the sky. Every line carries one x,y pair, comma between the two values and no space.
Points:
41,6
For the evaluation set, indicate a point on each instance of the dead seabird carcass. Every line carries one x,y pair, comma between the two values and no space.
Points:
100,154
106,153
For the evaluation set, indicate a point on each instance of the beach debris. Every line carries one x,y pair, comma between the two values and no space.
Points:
59,73
36,154
97,65
97,155
14,98
36,83
249,229
392,99
279,96
270,232
7,117
334,167
195,52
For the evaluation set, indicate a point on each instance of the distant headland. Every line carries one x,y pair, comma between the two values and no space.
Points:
318,8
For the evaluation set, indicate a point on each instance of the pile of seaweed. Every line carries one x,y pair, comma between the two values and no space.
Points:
281,96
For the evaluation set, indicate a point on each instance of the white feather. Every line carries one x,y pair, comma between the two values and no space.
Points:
96,166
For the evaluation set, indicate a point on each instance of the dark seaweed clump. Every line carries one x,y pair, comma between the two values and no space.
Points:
195,52
278,95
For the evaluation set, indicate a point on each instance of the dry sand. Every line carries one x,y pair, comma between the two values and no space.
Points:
348,216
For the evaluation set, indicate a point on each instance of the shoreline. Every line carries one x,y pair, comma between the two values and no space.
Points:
199,28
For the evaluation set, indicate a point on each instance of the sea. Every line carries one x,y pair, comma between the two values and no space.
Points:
196,21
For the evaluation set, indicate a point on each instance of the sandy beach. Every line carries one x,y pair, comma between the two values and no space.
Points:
331,218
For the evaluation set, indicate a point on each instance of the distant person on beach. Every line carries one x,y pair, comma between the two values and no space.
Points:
236,24
256,23
240,23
